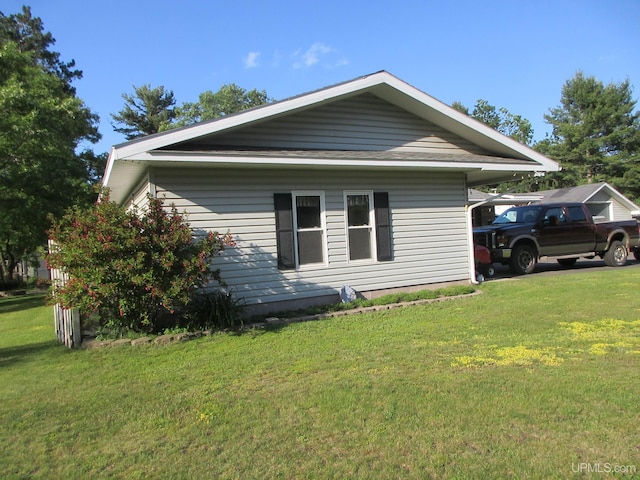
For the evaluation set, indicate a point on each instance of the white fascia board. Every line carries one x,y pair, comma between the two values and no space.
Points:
159,157
113,156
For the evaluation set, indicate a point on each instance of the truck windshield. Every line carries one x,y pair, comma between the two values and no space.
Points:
519,215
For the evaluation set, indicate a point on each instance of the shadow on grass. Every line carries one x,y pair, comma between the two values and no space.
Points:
22,302
11,355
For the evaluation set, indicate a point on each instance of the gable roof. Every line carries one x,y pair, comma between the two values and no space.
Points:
585,194
504,156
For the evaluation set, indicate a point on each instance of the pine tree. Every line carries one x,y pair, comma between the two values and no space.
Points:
147,111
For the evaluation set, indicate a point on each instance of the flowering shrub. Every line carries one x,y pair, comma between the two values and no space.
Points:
134,269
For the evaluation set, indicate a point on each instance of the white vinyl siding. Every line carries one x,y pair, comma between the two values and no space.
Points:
140,198
610,207
429,240
365,122
620,212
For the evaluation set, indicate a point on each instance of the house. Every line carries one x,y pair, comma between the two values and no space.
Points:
604,202
363,183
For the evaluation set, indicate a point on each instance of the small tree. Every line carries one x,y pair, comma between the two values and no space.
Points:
227,100
500,119
149,110
132,269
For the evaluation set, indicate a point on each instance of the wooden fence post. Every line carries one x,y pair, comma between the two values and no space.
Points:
66,322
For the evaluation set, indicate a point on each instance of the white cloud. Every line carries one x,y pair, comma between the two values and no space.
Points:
277,58
317,53
251,60
310,57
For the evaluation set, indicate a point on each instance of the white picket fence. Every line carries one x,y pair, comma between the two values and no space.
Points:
66,322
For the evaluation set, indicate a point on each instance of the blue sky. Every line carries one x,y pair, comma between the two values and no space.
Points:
514,54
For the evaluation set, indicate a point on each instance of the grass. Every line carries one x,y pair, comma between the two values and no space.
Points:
531,379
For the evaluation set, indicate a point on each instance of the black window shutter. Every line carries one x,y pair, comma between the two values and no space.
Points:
383,226
284,231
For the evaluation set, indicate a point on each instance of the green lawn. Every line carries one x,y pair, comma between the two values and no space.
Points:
535,378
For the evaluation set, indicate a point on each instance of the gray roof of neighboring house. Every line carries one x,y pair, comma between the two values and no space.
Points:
584,193
581,193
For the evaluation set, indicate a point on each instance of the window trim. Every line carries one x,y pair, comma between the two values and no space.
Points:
322,228
373,246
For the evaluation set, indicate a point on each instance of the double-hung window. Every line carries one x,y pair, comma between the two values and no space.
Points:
309,224
300,229
360,222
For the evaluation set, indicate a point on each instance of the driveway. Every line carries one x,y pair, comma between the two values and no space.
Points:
549,266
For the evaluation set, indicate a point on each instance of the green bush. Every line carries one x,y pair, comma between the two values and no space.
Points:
213,309
135,270
11,284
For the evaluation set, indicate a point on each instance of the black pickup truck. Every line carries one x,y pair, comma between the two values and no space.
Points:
521,235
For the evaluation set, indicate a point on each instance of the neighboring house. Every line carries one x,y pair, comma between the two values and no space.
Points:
605,202
362,183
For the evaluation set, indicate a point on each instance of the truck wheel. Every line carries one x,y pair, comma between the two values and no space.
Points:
523,259
616,256
567,262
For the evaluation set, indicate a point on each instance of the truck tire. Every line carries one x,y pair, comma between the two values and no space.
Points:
523,259
617,254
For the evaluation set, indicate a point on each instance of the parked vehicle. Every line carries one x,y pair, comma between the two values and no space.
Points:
522,235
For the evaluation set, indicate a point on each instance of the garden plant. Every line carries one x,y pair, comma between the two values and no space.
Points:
134,268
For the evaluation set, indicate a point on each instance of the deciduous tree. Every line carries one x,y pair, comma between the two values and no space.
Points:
500,119
227,100
42,127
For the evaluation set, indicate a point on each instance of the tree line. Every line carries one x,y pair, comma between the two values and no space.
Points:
595,136
47,163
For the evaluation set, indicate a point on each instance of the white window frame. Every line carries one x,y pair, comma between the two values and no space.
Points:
371,226
322,228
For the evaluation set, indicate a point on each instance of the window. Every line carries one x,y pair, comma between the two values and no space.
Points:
554,216
309,227
301,236
360,221
300,229
577,215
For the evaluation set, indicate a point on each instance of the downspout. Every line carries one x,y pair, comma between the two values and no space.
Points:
472,256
